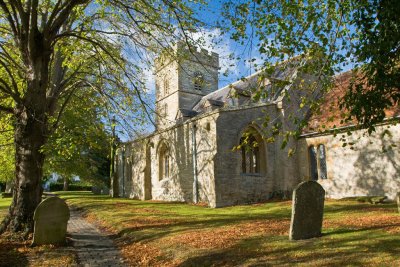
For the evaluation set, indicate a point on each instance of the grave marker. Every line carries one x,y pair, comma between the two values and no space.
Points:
51,218
307,211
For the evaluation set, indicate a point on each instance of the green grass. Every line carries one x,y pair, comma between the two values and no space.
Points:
4,204
168,234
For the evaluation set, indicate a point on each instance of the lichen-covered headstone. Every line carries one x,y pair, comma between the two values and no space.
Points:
51,218
398,201
307,211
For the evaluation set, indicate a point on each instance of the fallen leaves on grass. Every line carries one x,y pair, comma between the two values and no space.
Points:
17,252
140,254
225,237
386,222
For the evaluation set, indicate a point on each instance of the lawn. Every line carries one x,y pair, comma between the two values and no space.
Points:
4,204
175,234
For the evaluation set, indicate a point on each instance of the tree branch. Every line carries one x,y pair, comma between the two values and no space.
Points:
10,19
6,109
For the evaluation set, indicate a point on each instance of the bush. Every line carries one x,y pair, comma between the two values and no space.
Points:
6,195
71,187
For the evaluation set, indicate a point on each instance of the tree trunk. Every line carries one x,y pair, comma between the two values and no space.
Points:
30,134
29,158
65,185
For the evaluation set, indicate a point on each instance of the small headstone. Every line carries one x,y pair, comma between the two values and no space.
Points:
51,218
307,211
398,201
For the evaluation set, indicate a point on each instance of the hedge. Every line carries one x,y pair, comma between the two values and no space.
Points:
71,187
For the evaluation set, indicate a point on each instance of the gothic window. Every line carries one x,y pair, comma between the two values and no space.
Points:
312,152
163,162
251,154
317,157
198,81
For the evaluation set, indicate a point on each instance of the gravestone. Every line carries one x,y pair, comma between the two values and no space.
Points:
51,218
398,201
307,211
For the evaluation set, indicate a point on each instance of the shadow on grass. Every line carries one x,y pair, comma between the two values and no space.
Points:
149,222
10,254
257,251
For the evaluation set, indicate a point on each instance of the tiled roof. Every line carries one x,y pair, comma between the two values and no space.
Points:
330,115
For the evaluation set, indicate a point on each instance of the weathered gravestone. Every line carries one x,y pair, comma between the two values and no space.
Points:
307,211
51,218
398,201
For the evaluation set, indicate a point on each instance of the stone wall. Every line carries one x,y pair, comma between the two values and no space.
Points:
363,170
232,186
179,185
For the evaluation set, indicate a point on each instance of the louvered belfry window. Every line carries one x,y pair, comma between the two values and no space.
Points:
198,81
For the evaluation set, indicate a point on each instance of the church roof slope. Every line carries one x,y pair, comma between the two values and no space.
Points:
330,115
239,93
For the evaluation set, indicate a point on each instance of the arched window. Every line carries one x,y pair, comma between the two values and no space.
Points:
317,159
252,153
322,162
198,81
312,154
163,162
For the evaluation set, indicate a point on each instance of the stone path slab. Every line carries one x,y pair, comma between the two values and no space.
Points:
92,247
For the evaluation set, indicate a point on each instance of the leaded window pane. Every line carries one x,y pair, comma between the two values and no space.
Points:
322,162
312,151
250,156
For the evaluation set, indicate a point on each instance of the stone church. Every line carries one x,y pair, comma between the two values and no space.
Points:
209,145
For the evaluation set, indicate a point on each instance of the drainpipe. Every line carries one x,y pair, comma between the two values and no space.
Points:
113,175
194,153
123,171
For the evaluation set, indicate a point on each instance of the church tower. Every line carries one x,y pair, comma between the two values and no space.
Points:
183,77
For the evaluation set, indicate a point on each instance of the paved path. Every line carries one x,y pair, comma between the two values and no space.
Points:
92,247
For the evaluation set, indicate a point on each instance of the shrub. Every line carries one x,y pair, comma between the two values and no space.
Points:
71,187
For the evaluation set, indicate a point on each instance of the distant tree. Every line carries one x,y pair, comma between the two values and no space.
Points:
80,146
50,49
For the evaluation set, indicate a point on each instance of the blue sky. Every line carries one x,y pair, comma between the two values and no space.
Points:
231,69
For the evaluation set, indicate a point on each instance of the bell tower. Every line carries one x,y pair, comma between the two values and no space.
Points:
183,77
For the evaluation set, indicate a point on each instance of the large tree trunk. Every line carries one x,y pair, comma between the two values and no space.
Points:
30,134
66,184
29,139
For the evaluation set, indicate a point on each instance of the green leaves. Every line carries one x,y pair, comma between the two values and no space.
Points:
6,149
